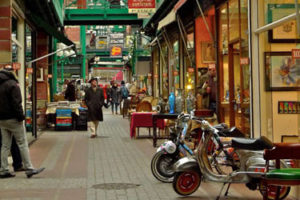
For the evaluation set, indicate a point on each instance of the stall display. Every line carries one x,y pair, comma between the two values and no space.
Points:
81,120
28,120
63,118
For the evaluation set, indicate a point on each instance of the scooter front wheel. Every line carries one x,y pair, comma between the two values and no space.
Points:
161,167
284,191
186,183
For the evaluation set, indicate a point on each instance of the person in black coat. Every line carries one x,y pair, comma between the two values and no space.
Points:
94,99
70,93
12,124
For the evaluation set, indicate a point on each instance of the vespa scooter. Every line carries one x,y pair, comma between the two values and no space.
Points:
246,162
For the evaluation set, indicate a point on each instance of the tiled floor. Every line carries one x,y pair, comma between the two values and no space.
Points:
109,167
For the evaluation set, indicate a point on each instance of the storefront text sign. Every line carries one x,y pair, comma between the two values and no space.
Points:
244,61
296,53
29,70
141,6
16,66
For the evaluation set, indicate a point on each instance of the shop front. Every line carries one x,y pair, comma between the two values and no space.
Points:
276,36
233,64
275,58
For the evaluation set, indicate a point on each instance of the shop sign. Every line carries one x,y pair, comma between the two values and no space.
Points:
296,53
29,70
165,75
49,75
191,70
16,66
179,4
244,61
175,73
155,75
116,51
141,6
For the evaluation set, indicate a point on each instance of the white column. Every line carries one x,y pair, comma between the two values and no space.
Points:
255,72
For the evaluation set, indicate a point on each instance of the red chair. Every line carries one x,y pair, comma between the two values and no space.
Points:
280,177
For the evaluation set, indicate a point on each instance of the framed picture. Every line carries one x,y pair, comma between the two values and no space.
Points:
39,74
208,52
281,72
287,32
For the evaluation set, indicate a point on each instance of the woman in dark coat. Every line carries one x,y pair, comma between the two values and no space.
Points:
115,98
94,100
70,91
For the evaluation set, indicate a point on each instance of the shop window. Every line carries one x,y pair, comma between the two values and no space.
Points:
164,72
176,68
234,70
233,20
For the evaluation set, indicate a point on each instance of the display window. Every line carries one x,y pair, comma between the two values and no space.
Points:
278,73
164,87
234,72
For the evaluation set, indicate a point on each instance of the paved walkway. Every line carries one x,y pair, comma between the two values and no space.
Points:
109,167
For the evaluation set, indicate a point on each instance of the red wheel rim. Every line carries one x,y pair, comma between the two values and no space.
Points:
188,181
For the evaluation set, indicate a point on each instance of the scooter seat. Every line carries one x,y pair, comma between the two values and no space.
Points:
251,144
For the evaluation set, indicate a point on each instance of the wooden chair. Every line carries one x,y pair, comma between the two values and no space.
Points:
281,176
144,106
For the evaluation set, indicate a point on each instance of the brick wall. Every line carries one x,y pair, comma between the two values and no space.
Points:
5,32
73,33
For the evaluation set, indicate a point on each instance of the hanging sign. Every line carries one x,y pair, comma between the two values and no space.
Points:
116,51
244,61
29,70
16,66
141,6
295,53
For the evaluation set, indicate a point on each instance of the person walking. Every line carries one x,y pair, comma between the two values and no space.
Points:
94,99
12,124
115,98
15,154
124,97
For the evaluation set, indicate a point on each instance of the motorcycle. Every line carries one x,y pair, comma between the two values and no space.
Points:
235,160
172,150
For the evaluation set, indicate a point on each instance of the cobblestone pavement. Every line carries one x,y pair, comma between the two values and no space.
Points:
109,167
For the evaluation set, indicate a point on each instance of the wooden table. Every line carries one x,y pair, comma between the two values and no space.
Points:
157,116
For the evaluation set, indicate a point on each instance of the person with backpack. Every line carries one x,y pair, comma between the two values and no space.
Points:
124,96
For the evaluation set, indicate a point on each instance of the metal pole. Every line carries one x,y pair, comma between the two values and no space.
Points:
49,54
54,68
183,39
297,18
83,51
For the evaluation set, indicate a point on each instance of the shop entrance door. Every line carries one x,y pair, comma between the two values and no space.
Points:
238,109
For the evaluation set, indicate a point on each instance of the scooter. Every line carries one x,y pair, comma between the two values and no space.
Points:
243,156
172,150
